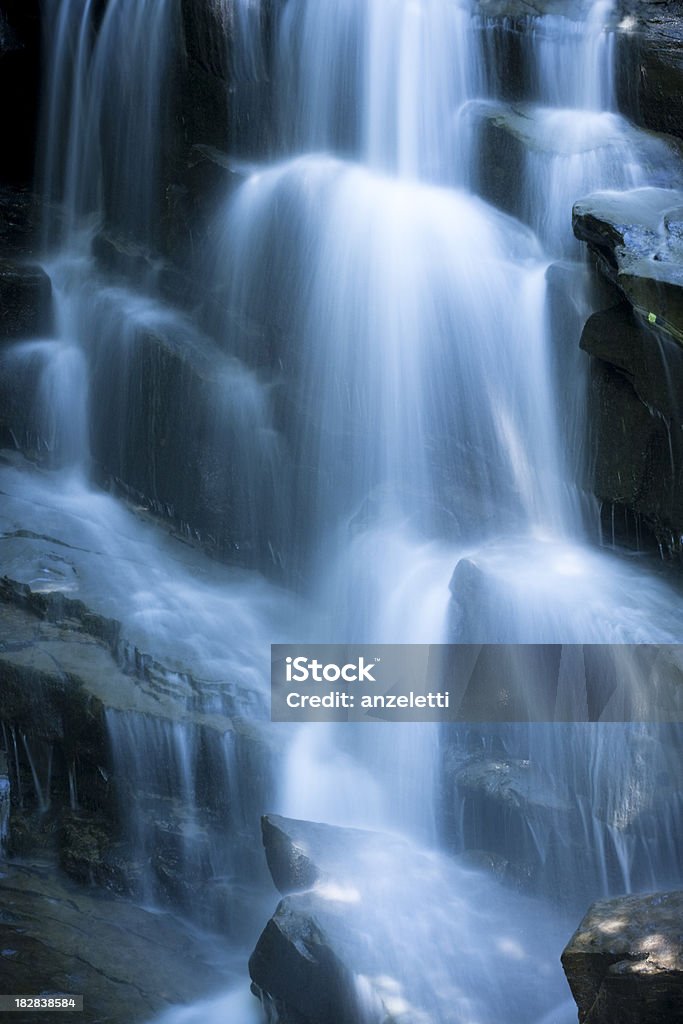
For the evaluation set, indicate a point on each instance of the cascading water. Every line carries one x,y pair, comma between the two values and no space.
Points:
416,379
419,431
105,114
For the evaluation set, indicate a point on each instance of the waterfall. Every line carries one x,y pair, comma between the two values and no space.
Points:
419,338
106,116
383,403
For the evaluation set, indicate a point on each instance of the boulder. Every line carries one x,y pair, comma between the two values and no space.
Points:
339,947
298,967
501,153
306,963
636,236
303,853
625,961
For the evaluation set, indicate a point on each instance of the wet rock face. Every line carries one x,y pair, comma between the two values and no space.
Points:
217,106
24,297
650,63
98,732
19,78
636,401
632,465
134,965
291,863
56,739
625,961
59,677
496,805
303,853
635,409
637,237
297,972
25,309
182,453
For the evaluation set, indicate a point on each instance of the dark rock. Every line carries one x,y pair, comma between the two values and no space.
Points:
501,155
512,784
90,853
625,961
636,402
20,214
301,853
636,237
216,105
298,967
20,75
185,449
70,675
24,301
19,381
218,99
25,288
206,69
636,455
650,64
290,862
25,312
5,799
133,965
497,809
645,356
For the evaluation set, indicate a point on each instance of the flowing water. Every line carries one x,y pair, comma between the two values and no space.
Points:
427,442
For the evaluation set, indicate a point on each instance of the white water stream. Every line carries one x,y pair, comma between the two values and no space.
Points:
426,437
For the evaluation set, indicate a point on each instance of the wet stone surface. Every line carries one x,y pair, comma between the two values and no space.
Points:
625,961
636,236
127,963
